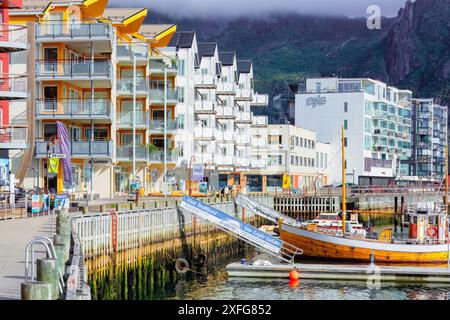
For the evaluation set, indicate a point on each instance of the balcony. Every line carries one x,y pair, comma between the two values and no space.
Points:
13,138
243,139
79,149
73,70
13,87
224,136
243,94
125,119
127,52
157,156
222,160
125,153
259,142
226,88
260,121
205,81
73,109
13,38
157,126
204,106
125,87
225,112
157,96
260,100
242,162
244,117
156,67
203,133
61,31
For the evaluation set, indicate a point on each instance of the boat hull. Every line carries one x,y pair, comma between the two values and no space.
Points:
318,245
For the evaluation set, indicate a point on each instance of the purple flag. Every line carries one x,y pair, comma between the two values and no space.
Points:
64,145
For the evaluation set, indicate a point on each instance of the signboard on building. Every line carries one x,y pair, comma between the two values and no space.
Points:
315,101
203,187
36,203
57,156
231,224
167,187
286,181
197,172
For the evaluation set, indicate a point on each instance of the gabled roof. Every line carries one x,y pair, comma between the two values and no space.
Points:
227,58
244,66
182,39
206,49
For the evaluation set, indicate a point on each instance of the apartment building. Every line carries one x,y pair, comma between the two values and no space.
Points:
85,57
376,119
429,132
13,88
282,149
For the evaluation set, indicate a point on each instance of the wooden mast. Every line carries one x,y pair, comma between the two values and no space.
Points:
344,193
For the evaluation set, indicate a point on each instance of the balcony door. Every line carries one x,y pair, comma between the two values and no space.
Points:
50,98
50,60
127,140
100,134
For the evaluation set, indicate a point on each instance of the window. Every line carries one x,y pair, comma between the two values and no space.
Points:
50,131
181,94
50,98
180,121
50,58
318,87
345,106
292,160
181,67
275,139
345,124
99,134
345,141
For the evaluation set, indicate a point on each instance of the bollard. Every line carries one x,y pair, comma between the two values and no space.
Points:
60,250
46,272
64,240
36,290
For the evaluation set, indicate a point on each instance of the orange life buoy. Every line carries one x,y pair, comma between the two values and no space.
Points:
432,231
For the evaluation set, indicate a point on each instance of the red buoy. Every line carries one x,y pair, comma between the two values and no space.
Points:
293,275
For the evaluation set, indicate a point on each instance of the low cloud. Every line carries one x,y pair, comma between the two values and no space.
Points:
190,8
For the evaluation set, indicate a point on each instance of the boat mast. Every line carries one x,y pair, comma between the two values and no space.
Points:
344,195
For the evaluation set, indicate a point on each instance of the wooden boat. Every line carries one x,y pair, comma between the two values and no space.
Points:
424,246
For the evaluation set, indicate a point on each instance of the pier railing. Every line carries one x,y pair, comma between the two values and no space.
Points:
106,233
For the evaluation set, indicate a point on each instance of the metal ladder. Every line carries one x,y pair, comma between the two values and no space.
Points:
264,211
286,252
51,253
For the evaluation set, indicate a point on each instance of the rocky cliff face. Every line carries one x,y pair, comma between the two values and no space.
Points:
417,47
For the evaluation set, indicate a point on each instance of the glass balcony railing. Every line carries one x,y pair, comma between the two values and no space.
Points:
125,119
125,153
157,66
13,38
157,95
13,87
73,30
73,69
157,125
204,106
73,108
125,85
79,149
13,138
158,156
129,50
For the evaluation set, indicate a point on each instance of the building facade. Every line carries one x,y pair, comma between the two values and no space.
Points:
429,128
285,150
376,120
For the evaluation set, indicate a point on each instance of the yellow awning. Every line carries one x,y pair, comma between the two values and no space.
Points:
93,8
163,39
132,24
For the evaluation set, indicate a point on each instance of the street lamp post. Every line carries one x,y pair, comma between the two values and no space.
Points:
134,117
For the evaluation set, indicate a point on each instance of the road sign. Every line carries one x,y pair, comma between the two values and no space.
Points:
57,155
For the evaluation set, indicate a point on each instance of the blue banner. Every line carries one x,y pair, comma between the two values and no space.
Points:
231,224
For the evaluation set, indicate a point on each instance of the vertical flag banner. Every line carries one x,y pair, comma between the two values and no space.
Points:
53,165
63,138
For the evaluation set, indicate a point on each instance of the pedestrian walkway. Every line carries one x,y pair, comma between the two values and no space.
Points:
14,236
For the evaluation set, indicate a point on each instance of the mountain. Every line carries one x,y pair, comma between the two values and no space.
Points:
410,51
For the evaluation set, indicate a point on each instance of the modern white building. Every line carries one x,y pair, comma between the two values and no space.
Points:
376,119
283,149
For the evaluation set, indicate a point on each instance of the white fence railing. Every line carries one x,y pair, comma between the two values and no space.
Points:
104,233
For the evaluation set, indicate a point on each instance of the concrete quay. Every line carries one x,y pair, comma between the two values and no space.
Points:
14,236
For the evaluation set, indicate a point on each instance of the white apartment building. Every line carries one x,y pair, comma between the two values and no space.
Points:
279,150
376,120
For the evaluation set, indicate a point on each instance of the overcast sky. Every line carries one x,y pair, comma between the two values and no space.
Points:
351,8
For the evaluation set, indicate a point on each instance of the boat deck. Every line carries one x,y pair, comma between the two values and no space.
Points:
344,272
